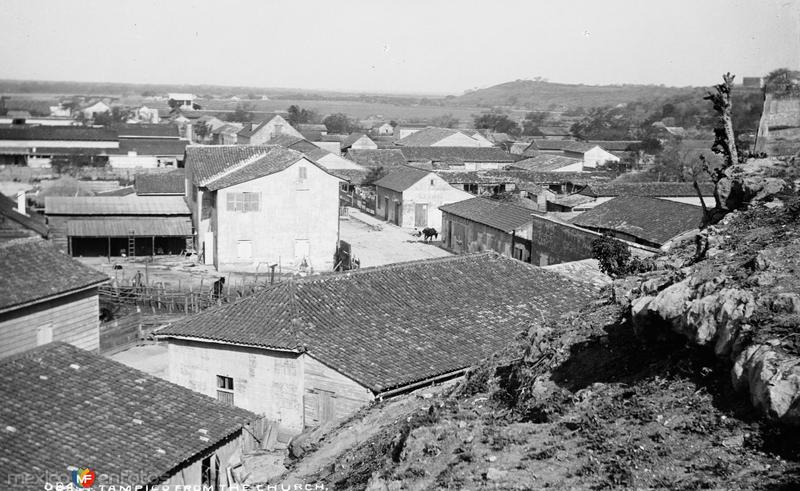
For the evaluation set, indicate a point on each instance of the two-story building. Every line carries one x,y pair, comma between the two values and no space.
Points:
254,206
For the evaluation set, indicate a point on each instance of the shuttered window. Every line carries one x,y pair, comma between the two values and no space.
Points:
243,202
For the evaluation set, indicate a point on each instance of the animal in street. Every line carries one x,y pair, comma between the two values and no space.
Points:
429,233
218,286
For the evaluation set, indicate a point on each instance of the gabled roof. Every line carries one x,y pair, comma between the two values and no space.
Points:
147,130
207,162
428,136
652,189
493,213
274,160
65,407
475,177
579,147
70,133
111,205
250,129
157,147
174,182
33,270
351,139
650,219
545,163
373,159
551,145
35,222
393,325
293,142
455,154
401,178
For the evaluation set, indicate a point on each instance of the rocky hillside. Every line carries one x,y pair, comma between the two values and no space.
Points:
685,376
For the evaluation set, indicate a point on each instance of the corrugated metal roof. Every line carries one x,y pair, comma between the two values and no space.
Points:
141,227
111,205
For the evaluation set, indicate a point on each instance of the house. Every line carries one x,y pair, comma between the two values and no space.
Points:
443,137
109,226
147,153
146,114
539,146
406,129
46,296
546,162
350,172
182,100
94,110
312,132
377,159
171,183
357,141
648,221
518,148
457,158
680,192
292,142
481,224
592,155
411,197
383,129
261,133
225,134
479,183
256,205
311,350
16,221
130,430
38,146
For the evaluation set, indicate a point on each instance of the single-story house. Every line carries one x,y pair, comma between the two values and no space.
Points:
680,192
37,146
444,137
383,129
92,111
256,205
148,153
130,225
481,224
292,142
225,134
648,221
592,155
411,197
479,183
457,158
70,414
546,162
312,131
316,349
377,159
357,141
46,295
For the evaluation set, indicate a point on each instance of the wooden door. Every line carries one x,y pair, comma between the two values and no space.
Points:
327,407
421,215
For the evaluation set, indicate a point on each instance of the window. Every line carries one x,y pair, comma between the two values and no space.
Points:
244,202
303,172
431,182
225,389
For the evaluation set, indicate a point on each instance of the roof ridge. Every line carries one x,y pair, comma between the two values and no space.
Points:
265,150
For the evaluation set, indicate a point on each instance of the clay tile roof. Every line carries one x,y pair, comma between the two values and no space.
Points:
204,162
652,189
650,219
293,142
33,222
377,158
493,213
391,326
451,154
148,183
351,139
401,178
33,270
544,163
71,408
427,137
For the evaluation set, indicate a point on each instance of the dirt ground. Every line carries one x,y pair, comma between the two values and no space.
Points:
390,244
149,358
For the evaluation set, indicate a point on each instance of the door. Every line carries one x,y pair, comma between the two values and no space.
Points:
386,209
397,219
421,215
327,408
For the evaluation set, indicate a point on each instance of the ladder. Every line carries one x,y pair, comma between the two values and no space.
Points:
131,244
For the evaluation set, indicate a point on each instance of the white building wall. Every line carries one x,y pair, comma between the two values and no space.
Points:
435,192
457,140
597,156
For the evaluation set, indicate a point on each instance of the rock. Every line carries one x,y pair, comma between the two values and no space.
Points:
773,380
491,458
788,303
735,441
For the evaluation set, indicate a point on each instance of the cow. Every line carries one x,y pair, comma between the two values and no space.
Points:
430,233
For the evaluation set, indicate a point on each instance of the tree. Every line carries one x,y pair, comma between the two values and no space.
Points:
173,104
201,130
782,81
242,113
498,123
603,123
340,123
532,122
373,175
298,115
116,115
445,121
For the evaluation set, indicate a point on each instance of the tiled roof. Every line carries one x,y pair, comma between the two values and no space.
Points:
559,145
353,176
155,147
401,178
475,177
545,163
274,160
295,143
147,130
34,222
138,227
651,219
125,191
204,162
495,214
456,154
615,145
71,408
33,270
351,139
570,200
250,129
427,137
148,183
111,205
579,147
332,161
652,189
390,326
373,159
71,133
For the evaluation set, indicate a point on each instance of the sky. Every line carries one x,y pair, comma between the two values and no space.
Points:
398,46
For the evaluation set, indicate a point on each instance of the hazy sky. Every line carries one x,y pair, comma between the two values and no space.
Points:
397,46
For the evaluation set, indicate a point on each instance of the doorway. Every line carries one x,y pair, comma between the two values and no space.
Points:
421,215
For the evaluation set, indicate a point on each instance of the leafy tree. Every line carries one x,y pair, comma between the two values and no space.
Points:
298,115
532,122
196,106
782,81
201,130
603,123
373,175
243,113
340,123
499,123
116,115
612,255
173,104
445,121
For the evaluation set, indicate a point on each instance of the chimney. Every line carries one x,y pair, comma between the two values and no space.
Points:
21,208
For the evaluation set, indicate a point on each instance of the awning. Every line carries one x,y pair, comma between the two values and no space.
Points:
140,227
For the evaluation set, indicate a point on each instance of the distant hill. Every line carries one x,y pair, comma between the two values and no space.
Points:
530,94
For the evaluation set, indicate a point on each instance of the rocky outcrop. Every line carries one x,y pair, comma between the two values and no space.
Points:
731,298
